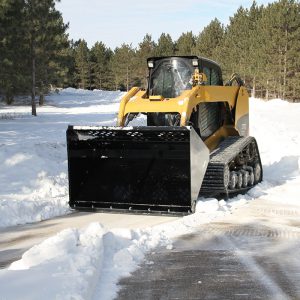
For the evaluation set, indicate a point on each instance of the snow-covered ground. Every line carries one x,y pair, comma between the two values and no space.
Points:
82,263
33,170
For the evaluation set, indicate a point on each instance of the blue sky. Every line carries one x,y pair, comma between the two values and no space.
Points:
115,21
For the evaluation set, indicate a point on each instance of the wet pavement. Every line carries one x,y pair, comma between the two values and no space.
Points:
253,254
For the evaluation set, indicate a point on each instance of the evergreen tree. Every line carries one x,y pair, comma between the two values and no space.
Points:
122,65
209,39
233,54
82,63
64,64
12,69
280,31
45,36
165,46
255,56
145,50
100,60
185,44
70,79
52,50
293,57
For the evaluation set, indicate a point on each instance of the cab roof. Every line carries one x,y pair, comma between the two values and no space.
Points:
204,59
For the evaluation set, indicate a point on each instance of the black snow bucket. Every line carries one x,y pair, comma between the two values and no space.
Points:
144,169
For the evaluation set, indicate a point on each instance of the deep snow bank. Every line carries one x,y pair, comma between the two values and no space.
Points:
276,126
68,265
33,169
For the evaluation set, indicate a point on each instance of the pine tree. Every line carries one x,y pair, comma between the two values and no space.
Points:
165,46
145,50
12,69
70,78
82,63
288,15
100,61
233,53
185,44
59,75
45,35
209,39
53,44
280,36
122,65
255,56
293,58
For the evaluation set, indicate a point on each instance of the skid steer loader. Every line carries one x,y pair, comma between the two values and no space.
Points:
195,143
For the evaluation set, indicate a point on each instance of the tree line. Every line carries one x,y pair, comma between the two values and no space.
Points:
261,43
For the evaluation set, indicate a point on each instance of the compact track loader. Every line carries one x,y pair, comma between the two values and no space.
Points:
195,143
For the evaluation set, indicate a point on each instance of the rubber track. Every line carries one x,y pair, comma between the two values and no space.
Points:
213,182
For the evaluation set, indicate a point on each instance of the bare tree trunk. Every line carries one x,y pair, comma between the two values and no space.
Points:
9,98
285,66
127,80
254,88
278,81
267,91
41,99
8,95
90,77
33,105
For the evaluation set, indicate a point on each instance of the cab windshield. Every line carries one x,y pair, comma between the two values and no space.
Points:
170,77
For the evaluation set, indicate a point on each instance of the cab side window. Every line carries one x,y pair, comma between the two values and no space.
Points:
209,114
213,75
214,78
207,72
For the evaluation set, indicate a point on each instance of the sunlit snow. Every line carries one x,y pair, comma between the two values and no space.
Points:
82,263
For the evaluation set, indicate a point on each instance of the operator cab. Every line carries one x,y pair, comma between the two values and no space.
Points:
170,76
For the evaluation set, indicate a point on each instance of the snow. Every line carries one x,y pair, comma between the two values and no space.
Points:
33,172
87,263
69,265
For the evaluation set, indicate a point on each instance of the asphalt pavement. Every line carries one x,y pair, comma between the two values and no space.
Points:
251,254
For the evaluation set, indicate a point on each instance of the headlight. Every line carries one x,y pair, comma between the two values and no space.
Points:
150,64
195,62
